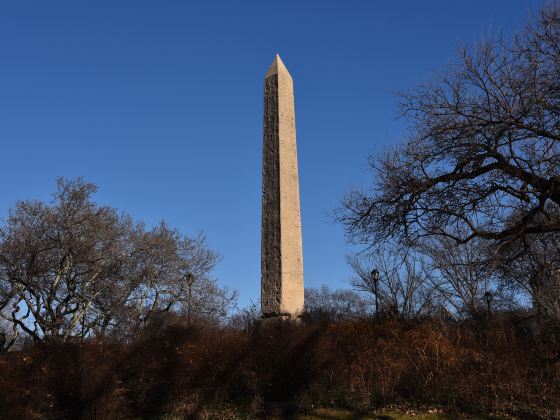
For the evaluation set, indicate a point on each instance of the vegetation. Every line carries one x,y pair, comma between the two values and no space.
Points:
206,371
482,159
74,269
455,299
469,200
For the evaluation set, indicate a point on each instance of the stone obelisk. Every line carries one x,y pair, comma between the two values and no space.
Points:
282,256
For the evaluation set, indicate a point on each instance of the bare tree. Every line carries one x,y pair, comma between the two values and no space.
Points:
9,335
74,268
335,304
548,298
532,266
58,259
167,272
245,318
460,273
483,156
402,289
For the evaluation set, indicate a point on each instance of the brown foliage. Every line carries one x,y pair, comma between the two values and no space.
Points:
194,372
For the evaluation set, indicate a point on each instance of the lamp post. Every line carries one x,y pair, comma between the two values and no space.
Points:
488,298
190,280
375,279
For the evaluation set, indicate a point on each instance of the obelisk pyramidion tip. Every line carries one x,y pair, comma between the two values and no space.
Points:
277,67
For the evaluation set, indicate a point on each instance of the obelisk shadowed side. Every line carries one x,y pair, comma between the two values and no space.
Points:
282,259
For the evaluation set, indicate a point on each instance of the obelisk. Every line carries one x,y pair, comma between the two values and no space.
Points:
281,248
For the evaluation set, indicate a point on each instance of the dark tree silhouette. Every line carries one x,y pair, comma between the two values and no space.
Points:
73,268
483,156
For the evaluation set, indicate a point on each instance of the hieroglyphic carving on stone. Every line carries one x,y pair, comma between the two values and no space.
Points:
271,264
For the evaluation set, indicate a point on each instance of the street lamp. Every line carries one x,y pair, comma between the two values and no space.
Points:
190,280
375,278
488,298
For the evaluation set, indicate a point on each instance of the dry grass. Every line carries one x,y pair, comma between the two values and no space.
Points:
208,372
333,414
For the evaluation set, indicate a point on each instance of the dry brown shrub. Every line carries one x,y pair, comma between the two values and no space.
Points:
197,371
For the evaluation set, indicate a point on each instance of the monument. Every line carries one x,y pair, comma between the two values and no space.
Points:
281,248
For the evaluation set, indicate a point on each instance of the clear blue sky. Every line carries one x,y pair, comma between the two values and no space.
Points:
160,104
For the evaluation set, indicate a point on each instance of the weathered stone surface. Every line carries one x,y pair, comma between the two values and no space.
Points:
282,256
